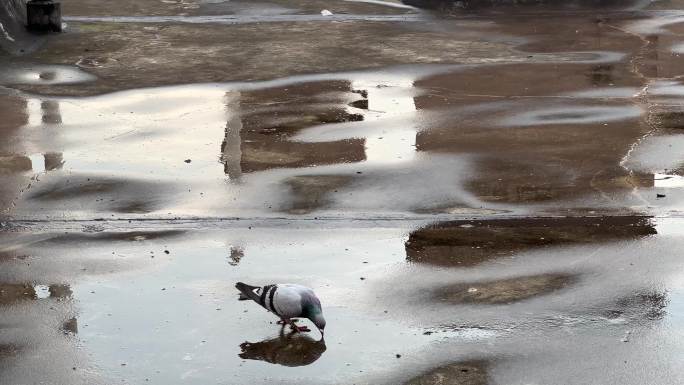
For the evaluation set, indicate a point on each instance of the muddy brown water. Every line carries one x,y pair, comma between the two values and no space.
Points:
469,243
479,193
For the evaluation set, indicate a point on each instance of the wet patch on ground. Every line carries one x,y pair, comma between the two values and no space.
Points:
13,109
10,293
579,139
469,243
311,192
16,292
99,194
505,291
108,236
668,120
460,373
638,307
256,157
14,164
42,75
378,120
217,53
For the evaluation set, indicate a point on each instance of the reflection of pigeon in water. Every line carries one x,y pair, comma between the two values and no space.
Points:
290,350
287,301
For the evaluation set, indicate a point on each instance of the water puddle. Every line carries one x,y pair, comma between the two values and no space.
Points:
666,88
656,23
43,75
657,154
180,144
668,181
42,291
299,145
608,93
573,115
390,99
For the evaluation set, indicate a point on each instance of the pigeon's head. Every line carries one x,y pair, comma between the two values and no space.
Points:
314,312
319,321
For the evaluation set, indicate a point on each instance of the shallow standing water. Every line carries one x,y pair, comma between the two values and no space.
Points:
486,196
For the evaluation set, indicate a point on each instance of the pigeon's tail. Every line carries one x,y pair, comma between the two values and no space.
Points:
247,292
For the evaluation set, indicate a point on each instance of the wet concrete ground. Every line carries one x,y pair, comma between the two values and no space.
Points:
479,194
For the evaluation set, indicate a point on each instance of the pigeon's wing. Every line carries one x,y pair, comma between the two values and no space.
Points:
287,301
284,300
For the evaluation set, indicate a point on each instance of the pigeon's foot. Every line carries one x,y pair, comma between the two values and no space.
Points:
296,328
283,322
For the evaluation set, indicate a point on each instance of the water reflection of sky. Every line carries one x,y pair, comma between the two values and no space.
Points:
392,98
146,133
150,132
189,136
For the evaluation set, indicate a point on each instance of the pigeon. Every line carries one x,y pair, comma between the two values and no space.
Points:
287,301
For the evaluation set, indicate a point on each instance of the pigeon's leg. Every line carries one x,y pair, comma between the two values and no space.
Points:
282,324
294,327
289,334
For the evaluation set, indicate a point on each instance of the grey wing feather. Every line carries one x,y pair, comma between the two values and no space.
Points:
288,302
